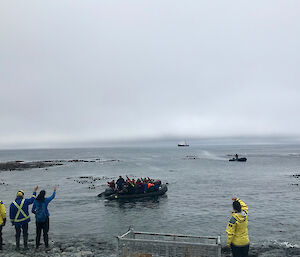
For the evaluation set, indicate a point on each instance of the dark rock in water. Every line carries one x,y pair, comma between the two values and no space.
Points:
3,183
95,160
21,165
191,157
73,161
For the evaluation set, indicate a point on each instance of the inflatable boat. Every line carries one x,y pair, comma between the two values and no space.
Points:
108,191
243,159
116,196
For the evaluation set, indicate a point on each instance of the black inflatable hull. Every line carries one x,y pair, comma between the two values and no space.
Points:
107,192
160,192
238,160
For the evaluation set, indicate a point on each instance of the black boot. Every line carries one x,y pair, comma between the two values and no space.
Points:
37,241
25,242
46,241
17,243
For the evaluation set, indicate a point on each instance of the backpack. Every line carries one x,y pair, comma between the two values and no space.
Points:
40,213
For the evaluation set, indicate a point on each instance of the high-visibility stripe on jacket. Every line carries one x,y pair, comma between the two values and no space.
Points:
237,231
19,217
2,212
18,212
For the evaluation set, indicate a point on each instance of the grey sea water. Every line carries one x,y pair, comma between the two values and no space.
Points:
201,184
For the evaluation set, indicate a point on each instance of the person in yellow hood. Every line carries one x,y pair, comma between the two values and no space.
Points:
2,220
237,231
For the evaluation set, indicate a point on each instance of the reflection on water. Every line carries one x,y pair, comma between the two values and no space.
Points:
136,204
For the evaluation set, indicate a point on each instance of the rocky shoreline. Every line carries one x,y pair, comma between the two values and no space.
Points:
90,246
74,247
23,165
267,251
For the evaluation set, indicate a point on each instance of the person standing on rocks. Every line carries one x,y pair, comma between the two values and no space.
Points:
2,220
40,209
19,216
237,231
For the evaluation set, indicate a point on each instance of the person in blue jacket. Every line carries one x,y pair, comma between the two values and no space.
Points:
19,216
40,209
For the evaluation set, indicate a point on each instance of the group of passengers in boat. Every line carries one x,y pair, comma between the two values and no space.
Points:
132,186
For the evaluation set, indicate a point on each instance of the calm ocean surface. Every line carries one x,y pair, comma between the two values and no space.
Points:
198,201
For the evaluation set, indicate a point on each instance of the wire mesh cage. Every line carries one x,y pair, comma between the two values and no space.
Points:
144,244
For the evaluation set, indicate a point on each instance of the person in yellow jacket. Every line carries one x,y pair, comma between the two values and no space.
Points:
2,220
237,231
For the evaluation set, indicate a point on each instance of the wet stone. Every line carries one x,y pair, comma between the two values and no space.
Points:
55,250
70,249
87,254
275,252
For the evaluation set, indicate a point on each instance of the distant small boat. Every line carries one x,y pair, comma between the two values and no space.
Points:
237,159
183,144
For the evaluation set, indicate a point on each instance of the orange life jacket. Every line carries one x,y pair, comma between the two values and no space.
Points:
150,185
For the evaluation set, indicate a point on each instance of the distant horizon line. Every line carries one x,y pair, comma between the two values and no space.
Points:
166,141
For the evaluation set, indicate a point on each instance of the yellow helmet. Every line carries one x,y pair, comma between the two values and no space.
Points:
20,193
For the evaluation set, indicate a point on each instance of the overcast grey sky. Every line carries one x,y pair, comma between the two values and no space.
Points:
122,69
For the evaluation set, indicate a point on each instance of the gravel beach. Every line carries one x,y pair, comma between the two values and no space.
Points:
93,248
62,247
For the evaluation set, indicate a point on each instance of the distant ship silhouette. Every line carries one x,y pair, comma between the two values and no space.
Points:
183,144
